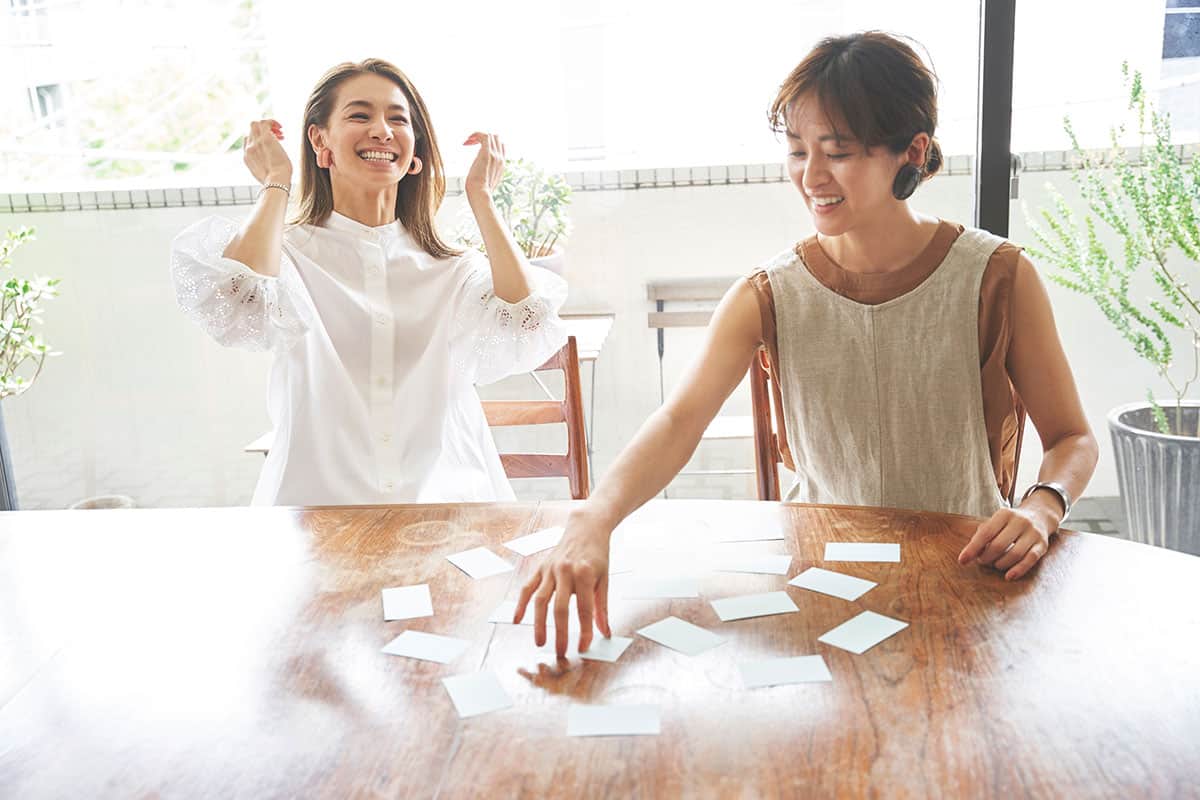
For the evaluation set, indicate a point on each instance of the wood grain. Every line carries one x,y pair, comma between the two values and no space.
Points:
235,653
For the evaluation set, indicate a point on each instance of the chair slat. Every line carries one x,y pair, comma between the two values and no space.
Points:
501,413
534,465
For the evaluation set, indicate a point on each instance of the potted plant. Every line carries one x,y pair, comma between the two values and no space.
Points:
533,205
22,351
1153,206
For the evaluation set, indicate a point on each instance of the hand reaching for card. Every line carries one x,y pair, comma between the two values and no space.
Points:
578,566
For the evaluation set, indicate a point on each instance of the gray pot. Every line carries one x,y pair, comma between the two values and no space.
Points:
1159,476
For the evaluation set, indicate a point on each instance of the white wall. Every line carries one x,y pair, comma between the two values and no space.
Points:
140,403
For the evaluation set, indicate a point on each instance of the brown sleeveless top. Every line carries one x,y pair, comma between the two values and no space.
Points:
995,328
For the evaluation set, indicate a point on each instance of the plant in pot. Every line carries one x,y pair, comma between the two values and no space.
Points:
1152,205
533,204
22,351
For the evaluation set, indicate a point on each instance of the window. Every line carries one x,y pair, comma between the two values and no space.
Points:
575,86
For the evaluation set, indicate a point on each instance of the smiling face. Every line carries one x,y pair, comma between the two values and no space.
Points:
845,184
369,132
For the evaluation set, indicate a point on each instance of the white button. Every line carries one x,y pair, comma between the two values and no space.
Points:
381,319
386,437
387,487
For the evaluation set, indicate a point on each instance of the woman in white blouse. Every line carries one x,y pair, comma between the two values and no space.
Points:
379,329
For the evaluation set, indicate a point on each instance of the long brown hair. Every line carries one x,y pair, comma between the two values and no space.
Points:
418,197
876,84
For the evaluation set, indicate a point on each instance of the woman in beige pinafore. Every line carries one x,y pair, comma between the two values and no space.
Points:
900,344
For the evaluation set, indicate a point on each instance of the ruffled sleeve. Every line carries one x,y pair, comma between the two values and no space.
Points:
493,338
232,303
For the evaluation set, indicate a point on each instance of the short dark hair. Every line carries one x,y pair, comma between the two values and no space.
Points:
873,82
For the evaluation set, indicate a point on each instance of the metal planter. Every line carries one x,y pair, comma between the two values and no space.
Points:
1159,476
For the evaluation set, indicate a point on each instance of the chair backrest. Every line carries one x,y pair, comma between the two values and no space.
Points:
767,454
573,464
766,442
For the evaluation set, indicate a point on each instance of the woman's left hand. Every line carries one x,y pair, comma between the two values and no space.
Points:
1012,539
488,167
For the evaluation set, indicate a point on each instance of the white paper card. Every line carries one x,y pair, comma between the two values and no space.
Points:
602,649
407,602
426,647
836,584
476,694
480,563
862,632
753,605
762,564
656,586
620,561
535,542
683,636
862,551
750,535
504,613
613,721
778,671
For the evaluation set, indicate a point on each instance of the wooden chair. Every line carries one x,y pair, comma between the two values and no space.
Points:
700,296
573,465
768,454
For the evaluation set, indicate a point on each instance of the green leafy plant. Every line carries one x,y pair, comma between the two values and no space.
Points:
21,350
1153,205
532,203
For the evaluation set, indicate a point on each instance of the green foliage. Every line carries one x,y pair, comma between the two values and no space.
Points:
533,204
1153,206
21,350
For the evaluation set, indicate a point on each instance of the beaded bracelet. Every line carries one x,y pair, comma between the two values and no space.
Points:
286,189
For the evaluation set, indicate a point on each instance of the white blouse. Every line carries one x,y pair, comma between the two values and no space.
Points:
378,347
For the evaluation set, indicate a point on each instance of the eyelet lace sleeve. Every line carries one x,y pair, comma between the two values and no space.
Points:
232,303
493,338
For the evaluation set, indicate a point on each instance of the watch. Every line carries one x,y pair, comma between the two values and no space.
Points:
1058,489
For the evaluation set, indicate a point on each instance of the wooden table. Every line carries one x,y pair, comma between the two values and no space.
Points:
235,653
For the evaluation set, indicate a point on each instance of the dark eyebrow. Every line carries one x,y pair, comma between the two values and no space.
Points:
829,137
365,104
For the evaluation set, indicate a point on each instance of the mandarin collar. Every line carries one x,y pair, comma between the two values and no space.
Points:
379,233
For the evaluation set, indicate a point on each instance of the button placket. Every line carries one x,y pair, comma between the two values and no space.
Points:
382,358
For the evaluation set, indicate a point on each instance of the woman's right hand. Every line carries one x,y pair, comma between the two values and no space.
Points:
578,566
264,155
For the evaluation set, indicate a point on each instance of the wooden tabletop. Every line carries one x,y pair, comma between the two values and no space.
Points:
235,653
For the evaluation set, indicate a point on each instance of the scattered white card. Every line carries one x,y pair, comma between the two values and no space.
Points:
778,671
504,613
535,542
613,721
407,602
862,551
656,586
750,536
861,633
620,561
609,650
683,636
480,563
836,584
753,605
476,694
426,647
763,564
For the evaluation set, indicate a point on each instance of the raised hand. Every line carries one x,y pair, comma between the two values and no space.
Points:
264,155
487,169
